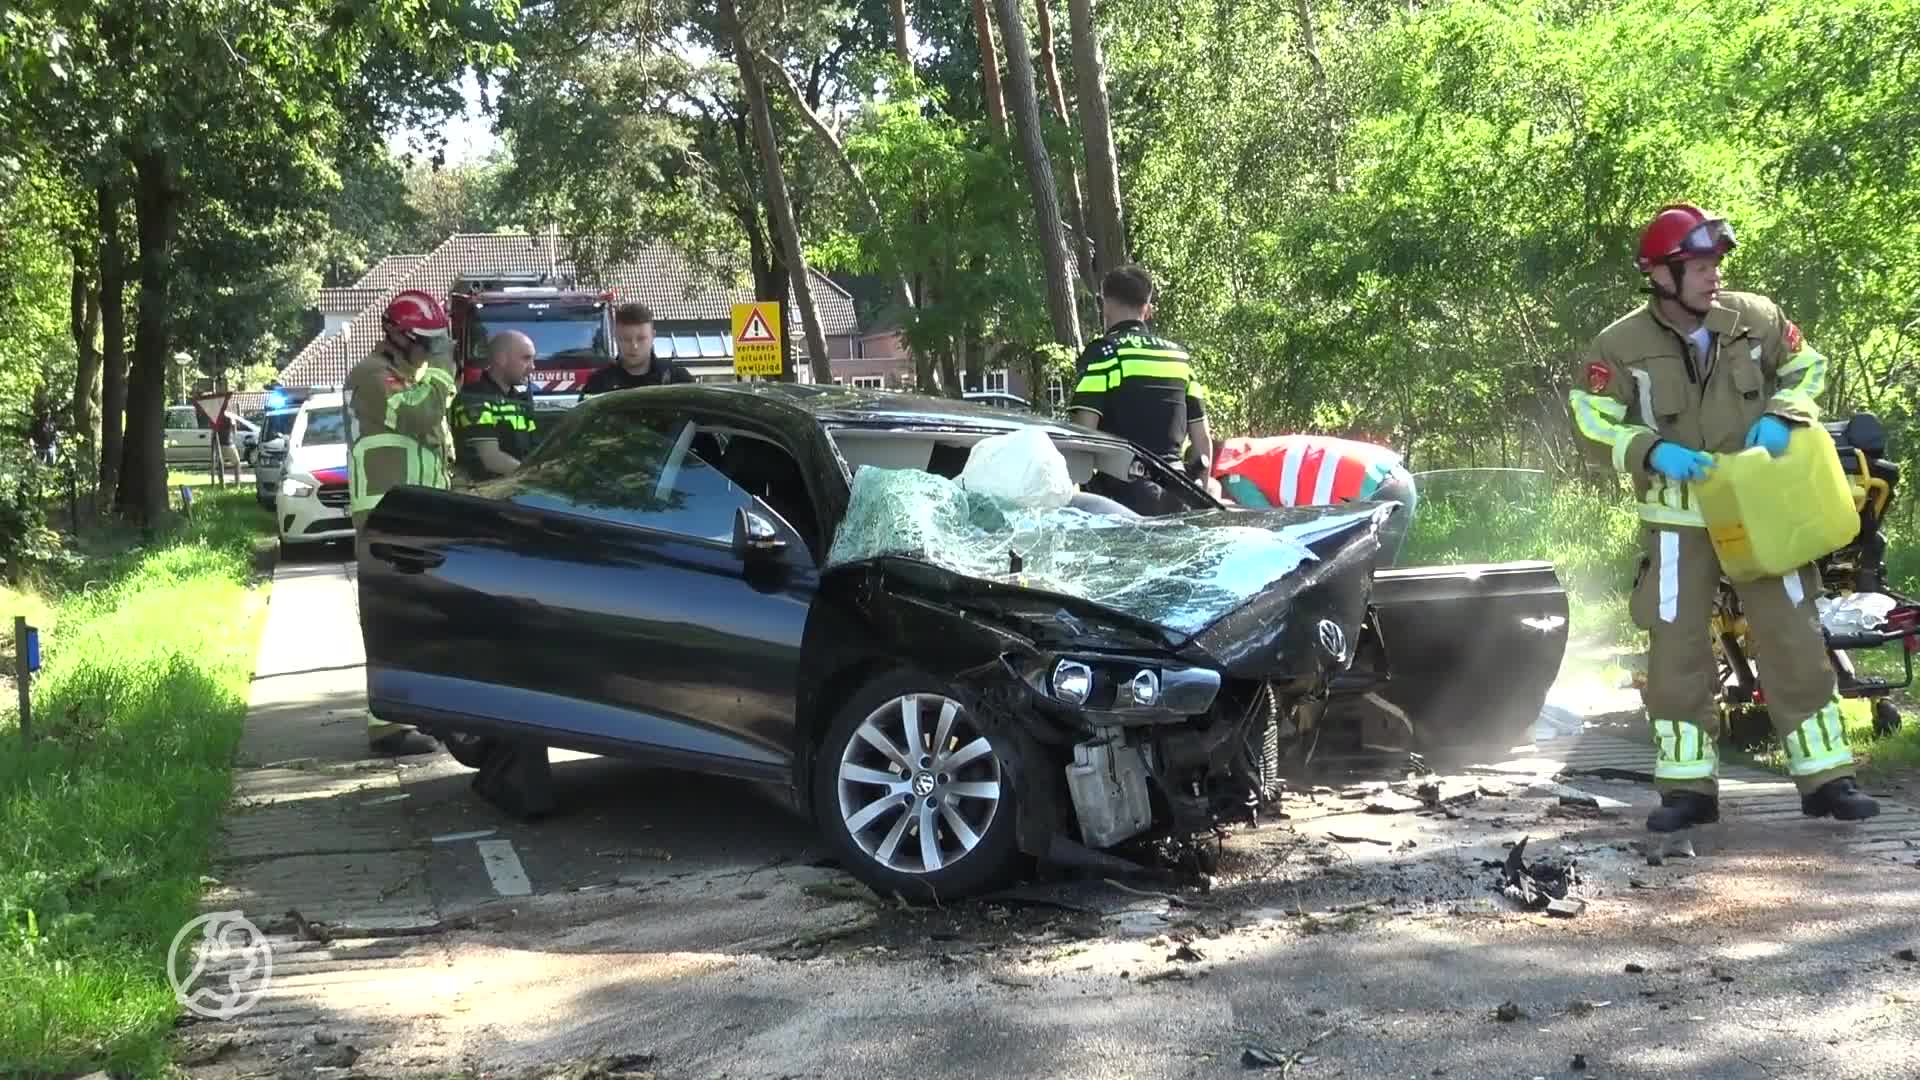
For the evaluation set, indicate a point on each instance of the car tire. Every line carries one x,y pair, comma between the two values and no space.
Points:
871,802
469,750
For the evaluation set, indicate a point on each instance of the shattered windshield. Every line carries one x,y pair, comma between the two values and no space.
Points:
1183,572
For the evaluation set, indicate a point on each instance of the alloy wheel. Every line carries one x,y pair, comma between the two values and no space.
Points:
919,784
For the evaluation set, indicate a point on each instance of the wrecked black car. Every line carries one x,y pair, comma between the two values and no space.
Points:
957,637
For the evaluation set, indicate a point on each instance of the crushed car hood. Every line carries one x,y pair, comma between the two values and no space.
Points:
1066,574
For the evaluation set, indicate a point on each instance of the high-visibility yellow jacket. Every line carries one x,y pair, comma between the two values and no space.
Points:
398,425
1643,381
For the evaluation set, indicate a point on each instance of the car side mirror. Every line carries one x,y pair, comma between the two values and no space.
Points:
754,537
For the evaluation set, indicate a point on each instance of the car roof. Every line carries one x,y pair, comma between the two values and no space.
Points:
857,407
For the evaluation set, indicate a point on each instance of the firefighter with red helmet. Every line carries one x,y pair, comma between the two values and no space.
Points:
397,401
1698,371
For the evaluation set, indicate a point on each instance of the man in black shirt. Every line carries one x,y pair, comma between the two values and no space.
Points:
1137,385
636,365
492,421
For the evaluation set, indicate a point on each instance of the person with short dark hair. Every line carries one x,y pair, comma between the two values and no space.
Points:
635,365
493,417
1135,384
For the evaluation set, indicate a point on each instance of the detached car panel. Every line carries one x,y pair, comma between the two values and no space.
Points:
789,583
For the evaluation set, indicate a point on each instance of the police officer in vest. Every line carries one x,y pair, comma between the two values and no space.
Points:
1140,386
1694,372
397,401
493,421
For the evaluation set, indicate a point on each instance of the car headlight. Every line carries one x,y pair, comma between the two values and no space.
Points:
1072,682
296,489
1145,688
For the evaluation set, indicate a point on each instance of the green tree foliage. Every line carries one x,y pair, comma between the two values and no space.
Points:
1415,241
220,121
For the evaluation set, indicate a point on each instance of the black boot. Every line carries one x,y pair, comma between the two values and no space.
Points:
1683,810
1841,799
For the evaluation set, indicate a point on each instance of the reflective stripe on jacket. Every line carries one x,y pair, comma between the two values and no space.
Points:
1642,381
1306,470
399,427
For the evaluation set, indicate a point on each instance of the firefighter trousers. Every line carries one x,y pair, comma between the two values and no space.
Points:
1673,600
378,731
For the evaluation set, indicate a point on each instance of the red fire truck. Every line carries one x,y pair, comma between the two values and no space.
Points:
571,328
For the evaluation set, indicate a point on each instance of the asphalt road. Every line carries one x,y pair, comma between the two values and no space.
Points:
689,925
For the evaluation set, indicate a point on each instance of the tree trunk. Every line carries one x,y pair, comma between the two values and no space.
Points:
1033,152
84,317
1049,63
903,291
1309,41
1103,173
113,340
990,68
143,478
900,49
777,198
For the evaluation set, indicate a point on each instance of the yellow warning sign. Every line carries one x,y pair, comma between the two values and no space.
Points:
756,339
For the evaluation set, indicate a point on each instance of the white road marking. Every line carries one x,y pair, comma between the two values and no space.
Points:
503,868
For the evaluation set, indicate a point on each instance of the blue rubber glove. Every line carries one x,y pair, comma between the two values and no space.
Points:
1677,462
1770,432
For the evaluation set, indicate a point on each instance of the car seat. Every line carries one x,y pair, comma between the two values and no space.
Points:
763,469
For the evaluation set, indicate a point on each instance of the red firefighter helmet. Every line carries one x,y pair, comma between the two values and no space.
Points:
416,314
1680,232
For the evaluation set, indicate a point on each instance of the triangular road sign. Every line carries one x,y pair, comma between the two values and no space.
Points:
756,331
213,406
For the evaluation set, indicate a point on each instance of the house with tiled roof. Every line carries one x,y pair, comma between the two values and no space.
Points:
692,306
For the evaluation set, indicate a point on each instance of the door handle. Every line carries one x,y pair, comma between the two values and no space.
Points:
406,558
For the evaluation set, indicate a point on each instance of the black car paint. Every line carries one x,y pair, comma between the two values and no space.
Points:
559,628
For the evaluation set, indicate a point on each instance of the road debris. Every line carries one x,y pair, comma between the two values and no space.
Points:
309,930
1508,1012
1186,954
1587,802
660,854
1390,803
1254,1056
1349,838
816,938
839,891
607,1067
1636,969
454,838
1567,908
1534,887
1579,1063
1908,955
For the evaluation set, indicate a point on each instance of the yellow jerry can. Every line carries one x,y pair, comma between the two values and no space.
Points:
1768,516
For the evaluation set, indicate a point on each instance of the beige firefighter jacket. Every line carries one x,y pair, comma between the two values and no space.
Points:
399,426
1641,381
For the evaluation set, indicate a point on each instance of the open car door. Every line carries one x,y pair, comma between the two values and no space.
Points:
1469,627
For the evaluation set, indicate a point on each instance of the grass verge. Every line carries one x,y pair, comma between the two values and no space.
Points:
105,822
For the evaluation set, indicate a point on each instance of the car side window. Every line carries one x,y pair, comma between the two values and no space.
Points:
183,419
634,467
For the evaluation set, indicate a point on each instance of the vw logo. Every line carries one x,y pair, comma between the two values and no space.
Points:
1333,640
923,785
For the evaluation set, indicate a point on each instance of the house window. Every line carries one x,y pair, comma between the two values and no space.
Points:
869,382
1056,391
995,381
